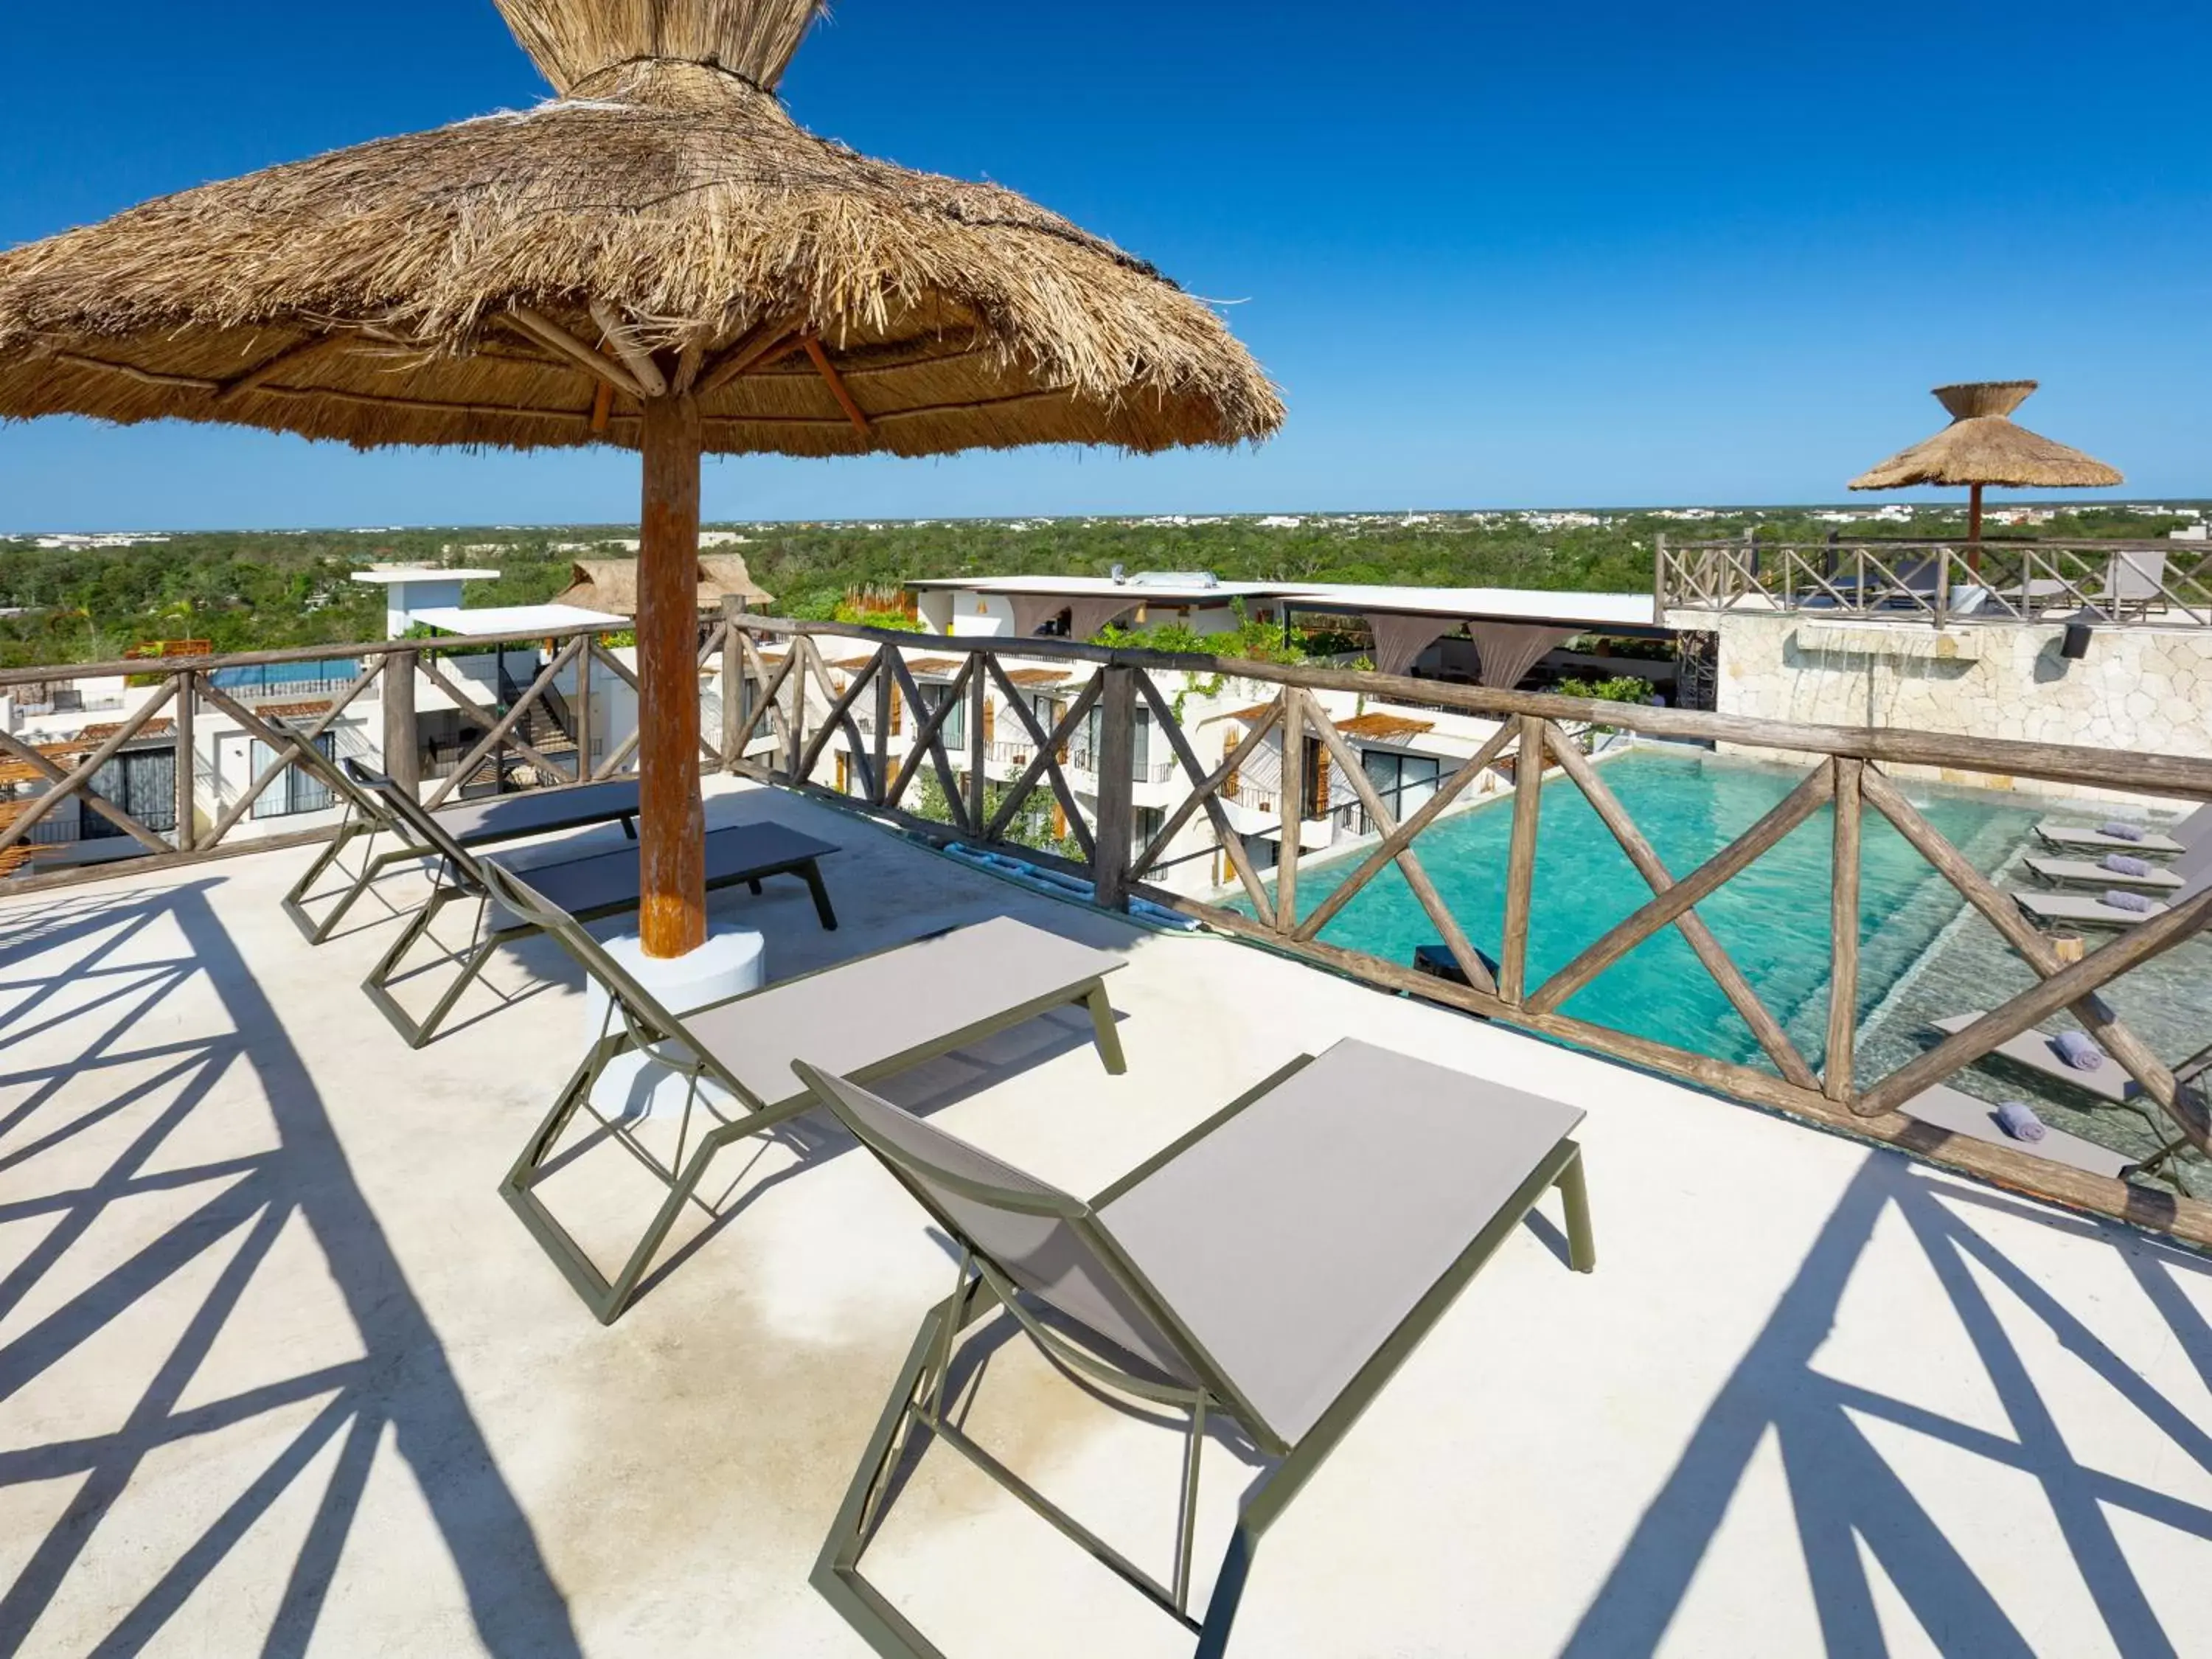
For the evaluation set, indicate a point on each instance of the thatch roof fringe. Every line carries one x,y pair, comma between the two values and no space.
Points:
1982,447
573,40
685,203
611,585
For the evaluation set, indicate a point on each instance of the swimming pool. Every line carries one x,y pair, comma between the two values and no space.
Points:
1772,918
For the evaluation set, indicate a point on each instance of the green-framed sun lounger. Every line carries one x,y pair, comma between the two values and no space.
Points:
2084,838
587,888
874,1016
1275,1266
2082,872
2035,1051
474,824
1962,1113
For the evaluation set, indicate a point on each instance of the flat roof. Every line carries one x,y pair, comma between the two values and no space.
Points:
392,575
513,618
1104,587
1506,604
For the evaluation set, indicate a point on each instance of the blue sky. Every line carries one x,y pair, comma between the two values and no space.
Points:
1603,254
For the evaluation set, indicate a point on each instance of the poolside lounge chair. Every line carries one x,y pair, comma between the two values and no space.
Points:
2090,910
1275,1266
2037,1052
871,1016
586,888
471,823
2081,838
2085,873
1962,1113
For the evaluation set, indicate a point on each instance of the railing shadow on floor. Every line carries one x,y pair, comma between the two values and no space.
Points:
176,971
1851,1506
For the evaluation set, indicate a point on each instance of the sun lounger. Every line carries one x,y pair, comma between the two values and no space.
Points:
1962,1114
871,1017
471,823
2086,838
1275,1266
2084,872
2035,1051
2194,868
586,888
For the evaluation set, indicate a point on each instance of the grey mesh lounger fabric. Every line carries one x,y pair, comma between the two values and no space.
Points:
471,823
596,885
2081,837
877,1014
1276,1264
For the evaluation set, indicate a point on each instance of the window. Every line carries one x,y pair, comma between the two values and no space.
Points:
1140,750
954,731
295,789
144,784
1145,823
1405,781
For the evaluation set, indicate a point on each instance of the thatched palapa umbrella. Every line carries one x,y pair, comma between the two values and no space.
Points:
1982,446
657,258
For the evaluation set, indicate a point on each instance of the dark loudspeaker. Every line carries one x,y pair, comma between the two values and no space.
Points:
2077,641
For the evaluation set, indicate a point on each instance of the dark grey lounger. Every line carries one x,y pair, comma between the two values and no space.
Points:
2083,838
2086,872
873,1016
586,889
2194,867
2032,1049
1962,1113
471,823
1276,1264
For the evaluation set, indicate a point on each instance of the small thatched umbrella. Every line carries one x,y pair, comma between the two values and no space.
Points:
657,258
1982,446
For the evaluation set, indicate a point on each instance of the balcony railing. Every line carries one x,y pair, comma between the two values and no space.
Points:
2105,583
1850,779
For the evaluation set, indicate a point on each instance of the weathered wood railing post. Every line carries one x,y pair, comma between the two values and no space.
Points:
880,779
1844,935
187,701
735,691
403,757
1659,583
979,697
1292,807
1520,860
1116,760
581,710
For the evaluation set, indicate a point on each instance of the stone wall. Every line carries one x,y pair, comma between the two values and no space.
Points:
2143,689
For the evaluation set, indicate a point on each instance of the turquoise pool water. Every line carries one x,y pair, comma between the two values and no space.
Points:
1773,918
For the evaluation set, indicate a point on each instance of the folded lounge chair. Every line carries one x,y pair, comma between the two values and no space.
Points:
1276,1265
2082,838
2194,868
470,823
587,888
871,1017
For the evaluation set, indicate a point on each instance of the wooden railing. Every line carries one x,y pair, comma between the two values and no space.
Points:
783,716
184,691
1852,772
2108,584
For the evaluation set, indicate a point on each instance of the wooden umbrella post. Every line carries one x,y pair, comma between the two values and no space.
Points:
671,818
1974,527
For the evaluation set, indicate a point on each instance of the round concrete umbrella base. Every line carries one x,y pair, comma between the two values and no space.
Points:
732,960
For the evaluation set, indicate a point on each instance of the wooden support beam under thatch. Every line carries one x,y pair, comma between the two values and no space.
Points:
635,356
551,335
827,370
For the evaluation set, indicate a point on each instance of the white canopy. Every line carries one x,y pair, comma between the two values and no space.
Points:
516,619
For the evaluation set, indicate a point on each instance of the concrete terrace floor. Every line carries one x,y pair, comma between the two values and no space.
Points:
279,1373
